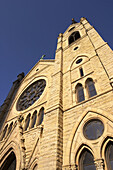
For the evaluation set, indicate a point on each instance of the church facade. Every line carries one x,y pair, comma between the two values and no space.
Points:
60,115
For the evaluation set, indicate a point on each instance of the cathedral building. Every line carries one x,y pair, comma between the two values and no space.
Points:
60,115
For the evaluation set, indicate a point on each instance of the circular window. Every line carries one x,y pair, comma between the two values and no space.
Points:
93,129
31,94
79,61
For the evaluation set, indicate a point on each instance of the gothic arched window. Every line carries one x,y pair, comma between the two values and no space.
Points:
86,161
90,87
27,121
33,120
4,132
109,155
80,93
74,36
10,162
10,128
40,116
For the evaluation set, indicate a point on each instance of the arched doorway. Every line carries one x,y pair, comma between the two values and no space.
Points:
10,162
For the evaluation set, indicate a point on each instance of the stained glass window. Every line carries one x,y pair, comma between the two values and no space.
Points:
93,129
86,161
31,94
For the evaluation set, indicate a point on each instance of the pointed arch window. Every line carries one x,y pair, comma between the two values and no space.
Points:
10,162
80,93
90,87
33,120
10,128
86,161
27,121
74,36
109,155
40,116
4,133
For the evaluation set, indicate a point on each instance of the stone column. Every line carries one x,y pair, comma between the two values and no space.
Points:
66,167
74,167
99,163
22,143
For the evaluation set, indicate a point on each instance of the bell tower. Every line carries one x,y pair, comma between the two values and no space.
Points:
87,93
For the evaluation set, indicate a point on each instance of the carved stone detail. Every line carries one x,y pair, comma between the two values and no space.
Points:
22,142
74,167
99,163
70,167
20,118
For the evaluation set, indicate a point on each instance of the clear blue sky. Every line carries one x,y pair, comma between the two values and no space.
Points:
29,29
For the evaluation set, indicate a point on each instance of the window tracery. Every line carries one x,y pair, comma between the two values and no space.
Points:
31,94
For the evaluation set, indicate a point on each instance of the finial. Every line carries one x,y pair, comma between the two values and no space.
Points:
60,35
42,57
73,21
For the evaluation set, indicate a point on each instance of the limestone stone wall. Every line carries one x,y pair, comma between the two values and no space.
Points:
58,141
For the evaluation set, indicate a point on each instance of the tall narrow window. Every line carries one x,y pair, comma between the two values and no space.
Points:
81,72
90,87
40,116
33,120
80,93
4,132
74,36
10,128
109,156
86,161
10,162
27,121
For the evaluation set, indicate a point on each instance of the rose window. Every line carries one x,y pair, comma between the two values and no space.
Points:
31,94
93,129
